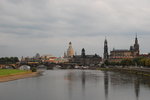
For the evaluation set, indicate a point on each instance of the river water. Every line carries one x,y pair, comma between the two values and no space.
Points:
77,85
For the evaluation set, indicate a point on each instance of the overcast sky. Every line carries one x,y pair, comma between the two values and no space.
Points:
28,27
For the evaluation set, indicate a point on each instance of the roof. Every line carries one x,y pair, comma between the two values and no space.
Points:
121,50
88,56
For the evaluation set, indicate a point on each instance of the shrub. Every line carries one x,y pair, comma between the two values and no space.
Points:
33,69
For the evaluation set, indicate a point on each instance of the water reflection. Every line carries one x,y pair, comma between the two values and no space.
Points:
123,81
78,85
106,84
69,77
128,84
72,77
137,88
82,79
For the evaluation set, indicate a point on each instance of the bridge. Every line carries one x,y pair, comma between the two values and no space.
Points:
13,66
50,65
46,65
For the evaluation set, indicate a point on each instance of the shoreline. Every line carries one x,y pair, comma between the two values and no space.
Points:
18,76
136,71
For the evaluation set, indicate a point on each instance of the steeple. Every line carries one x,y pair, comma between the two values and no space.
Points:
136,46
105,49
136,39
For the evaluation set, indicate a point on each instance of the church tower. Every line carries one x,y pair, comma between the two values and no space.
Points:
136,47
83,52
70,51
105,50
65,55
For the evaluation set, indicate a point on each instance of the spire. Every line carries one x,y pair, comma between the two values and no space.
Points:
136,46
136,39
105,49
105,39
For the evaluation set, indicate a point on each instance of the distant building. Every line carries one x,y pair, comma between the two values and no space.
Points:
118,55
62,60
105,55
37,56
65,55
26,60
46,57
70,51
88,60
49,58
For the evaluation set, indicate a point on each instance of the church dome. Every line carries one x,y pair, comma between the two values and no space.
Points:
70,51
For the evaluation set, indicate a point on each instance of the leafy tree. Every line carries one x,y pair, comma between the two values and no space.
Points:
8,60
106,62
127,62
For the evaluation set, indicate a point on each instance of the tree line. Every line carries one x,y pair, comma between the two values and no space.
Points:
140,61
9,60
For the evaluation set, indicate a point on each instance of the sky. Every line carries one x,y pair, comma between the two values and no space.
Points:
28,27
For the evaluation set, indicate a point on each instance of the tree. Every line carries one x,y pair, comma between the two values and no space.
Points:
8,60
147,62
127,62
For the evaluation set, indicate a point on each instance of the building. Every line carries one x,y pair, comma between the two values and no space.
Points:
70,51
39,59
105,55
37,56
86,60
117,55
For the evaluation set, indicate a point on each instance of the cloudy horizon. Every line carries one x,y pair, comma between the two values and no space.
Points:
28,27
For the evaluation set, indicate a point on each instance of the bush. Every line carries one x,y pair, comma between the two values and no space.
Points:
33,69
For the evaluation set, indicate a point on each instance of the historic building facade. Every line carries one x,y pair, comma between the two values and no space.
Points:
70,51
117,55
86,60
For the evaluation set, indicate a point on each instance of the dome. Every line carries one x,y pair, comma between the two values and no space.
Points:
70,51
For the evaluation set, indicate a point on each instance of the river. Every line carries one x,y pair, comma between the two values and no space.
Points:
77,85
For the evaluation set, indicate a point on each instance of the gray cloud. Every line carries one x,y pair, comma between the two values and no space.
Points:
46,26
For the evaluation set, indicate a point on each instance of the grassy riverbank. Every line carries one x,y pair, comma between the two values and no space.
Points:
5,72
13,74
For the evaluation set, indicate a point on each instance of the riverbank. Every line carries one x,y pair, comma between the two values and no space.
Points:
17,76
137,71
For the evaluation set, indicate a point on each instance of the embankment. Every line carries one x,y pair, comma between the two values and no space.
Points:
18,76
138,71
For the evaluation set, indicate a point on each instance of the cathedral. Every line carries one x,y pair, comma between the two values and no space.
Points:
70,51
83,59
86,60
116,55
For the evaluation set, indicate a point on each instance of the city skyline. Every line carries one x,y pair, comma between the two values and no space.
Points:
47,26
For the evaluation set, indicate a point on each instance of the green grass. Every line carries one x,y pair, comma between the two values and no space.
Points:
5,72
